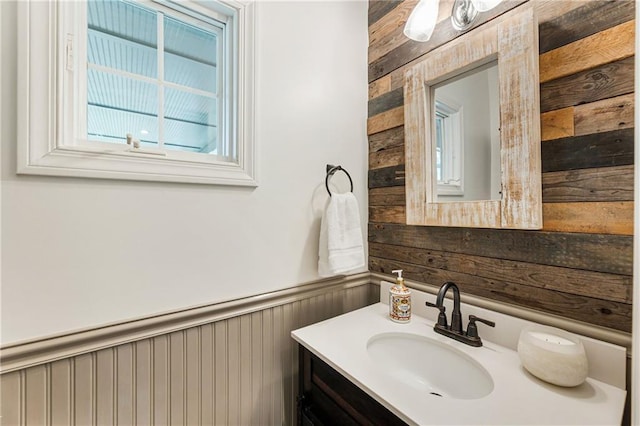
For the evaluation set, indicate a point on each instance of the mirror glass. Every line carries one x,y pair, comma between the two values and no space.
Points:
466,126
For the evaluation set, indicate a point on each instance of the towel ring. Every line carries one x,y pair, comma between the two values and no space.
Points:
331,170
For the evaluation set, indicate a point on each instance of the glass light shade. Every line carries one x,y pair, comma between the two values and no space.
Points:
484,5
422,20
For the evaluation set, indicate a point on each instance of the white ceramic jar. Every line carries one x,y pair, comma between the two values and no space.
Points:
553,355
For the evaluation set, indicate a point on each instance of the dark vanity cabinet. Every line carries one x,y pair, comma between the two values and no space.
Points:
328,398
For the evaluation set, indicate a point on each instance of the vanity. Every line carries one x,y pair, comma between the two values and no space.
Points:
362,368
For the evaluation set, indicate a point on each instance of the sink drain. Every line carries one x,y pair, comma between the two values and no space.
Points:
436,394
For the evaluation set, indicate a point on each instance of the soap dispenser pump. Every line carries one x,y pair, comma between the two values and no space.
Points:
399,300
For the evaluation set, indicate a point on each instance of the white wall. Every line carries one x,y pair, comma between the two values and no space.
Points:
77,253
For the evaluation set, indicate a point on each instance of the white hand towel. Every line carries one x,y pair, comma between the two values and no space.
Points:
341,246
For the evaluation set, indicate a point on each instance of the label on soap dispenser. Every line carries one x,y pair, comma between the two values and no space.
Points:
400,305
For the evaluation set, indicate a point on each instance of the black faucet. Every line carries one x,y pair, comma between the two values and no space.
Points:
455,331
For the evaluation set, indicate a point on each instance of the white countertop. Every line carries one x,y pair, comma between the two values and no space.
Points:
517,398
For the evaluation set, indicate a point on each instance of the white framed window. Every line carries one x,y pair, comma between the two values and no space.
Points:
449,147
142,90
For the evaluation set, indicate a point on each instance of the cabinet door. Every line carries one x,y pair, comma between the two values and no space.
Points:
329,398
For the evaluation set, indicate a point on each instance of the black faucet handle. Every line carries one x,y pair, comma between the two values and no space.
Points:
473,318
472,328
442,317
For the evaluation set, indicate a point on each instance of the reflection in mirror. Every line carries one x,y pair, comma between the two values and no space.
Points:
466,126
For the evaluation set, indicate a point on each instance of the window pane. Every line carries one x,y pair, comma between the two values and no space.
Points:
190,121
189,137
119,105
111,125
190,55
122,36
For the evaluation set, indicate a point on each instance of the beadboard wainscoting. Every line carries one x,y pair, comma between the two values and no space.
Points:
232,363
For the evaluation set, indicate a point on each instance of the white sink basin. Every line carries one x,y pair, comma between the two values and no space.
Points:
429,366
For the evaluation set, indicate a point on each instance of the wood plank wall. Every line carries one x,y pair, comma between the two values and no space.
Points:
239,371
580,264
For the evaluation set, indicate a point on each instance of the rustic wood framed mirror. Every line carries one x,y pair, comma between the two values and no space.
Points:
512,40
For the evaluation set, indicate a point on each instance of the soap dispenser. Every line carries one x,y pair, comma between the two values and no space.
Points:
399,300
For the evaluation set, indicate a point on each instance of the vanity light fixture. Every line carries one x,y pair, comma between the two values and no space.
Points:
423,18
463,14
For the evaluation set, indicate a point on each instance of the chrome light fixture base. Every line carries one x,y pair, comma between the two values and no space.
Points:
463,14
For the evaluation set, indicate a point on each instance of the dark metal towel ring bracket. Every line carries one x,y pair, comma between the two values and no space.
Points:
331,170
